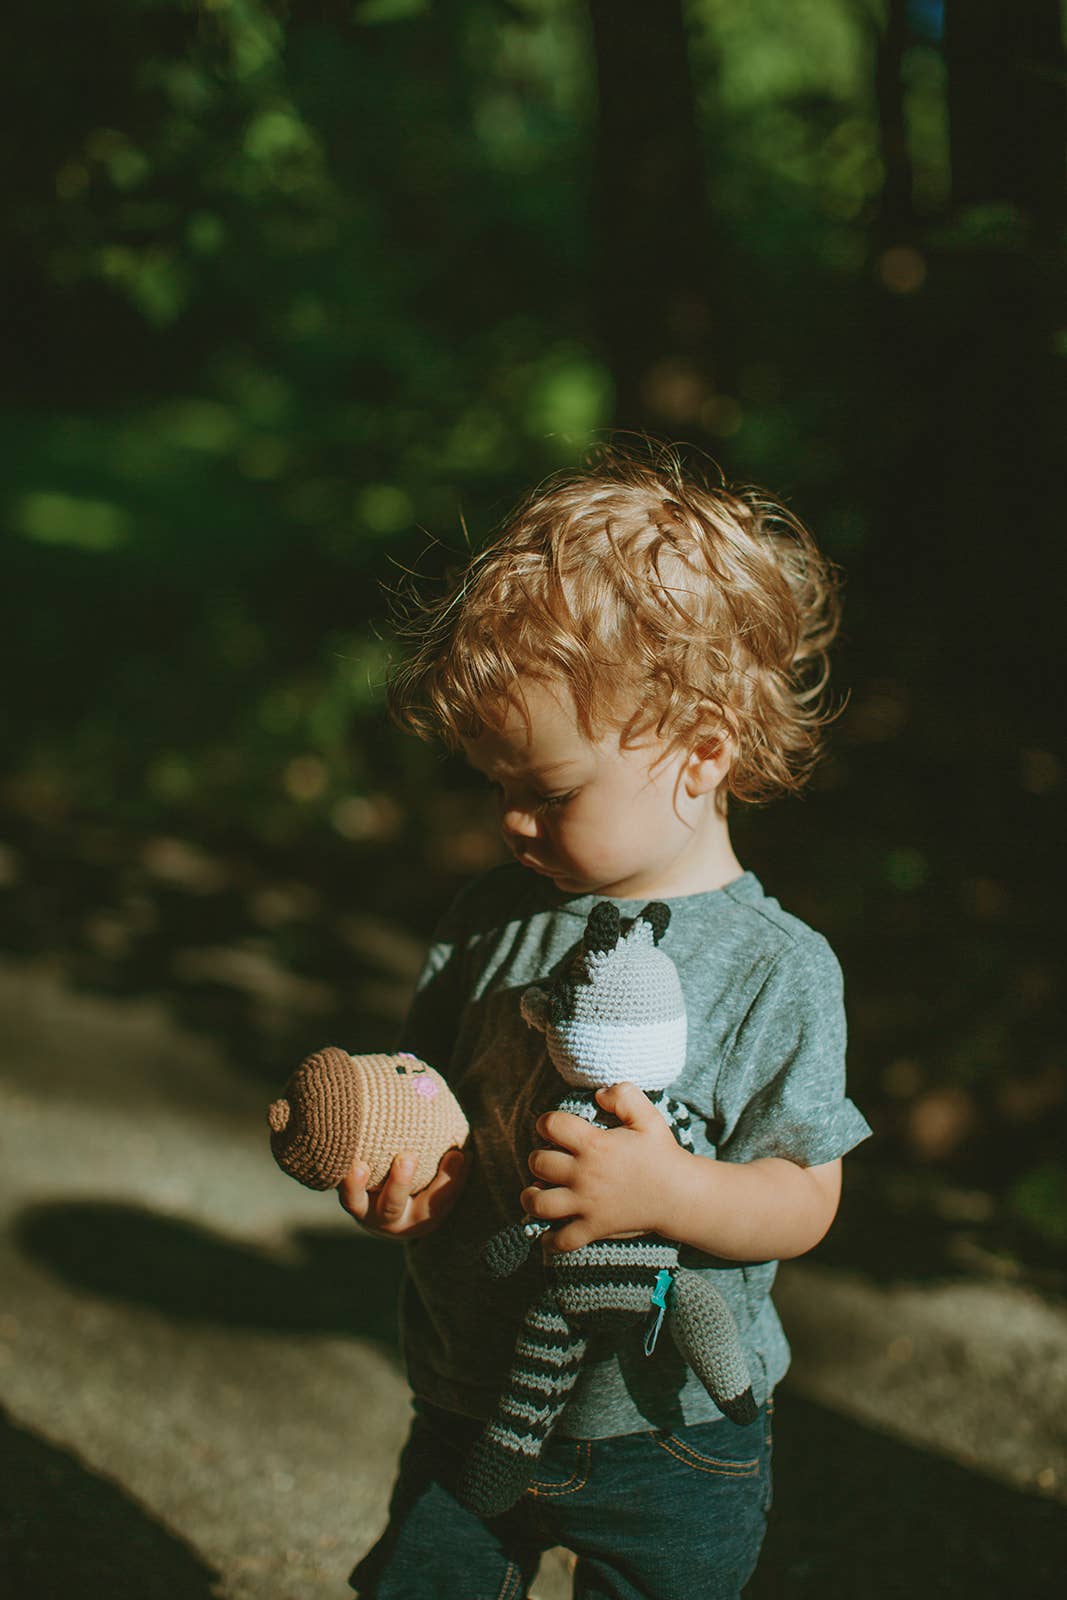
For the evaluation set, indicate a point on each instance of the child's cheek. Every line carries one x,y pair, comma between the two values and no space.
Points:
573,839
584,846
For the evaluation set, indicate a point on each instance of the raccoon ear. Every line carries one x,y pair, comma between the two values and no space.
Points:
602,928
658,917
534,1006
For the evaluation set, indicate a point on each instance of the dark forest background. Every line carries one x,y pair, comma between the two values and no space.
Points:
302,295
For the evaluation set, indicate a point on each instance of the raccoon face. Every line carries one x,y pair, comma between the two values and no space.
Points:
617,1012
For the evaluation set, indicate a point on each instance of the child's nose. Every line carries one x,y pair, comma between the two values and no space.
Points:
518,823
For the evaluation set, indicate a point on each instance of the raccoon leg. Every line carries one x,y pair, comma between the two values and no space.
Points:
548,1355
705,1331
505,1252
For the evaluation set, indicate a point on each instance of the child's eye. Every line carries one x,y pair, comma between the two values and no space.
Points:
549,802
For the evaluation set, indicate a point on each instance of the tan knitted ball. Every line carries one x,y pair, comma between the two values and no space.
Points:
339,1108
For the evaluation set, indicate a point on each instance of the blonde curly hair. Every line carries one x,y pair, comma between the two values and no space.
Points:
665,604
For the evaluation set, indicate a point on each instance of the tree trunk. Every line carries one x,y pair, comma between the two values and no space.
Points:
895,213
1007,107
653,275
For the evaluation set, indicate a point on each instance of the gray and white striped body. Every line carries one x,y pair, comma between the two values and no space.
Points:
617,1013
590,1288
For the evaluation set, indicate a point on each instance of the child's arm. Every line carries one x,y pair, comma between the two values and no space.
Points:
637,1179
392,1211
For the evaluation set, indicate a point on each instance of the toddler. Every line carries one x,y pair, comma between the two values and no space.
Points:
634,649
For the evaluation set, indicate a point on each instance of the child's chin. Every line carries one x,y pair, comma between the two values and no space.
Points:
572,883
567,881
557,875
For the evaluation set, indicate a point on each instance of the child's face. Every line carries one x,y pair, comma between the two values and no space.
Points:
594,817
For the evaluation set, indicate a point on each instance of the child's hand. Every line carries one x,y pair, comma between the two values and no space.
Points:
607,1181
392,1210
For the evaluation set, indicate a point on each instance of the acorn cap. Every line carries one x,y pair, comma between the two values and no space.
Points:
314,1129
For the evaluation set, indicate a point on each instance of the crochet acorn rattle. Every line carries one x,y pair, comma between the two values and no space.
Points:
339,1108
616,1013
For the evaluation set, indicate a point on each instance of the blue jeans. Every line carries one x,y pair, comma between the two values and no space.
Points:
650,1516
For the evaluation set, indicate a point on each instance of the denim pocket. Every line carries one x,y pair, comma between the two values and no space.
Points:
571,1459
720,1447
701,1459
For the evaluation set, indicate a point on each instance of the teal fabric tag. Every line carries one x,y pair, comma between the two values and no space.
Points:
664,1279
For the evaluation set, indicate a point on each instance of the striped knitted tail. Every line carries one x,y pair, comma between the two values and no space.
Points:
548,1354
705,1331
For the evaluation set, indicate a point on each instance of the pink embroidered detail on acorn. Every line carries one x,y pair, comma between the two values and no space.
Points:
425,1086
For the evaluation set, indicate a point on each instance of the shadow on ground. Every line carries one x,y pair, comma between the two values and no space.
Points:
330,1282
859,1514
64,1531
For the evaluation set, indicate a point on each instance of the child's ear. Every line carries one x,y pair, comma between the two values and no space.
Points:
708,763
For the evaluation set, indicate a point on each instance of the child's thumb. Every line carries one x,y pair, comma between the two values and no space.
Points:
626,1101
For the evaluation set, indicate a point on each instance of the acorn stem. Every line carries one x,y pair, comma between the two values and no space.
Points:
278,1115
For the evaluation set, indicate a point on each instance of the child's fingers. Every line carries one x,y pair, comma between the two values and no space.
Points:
551,1166
392,1208
629,1103
548,1204
352,1191
569,1132
395,1193
572,1237
451,1173
451,1170
441,1194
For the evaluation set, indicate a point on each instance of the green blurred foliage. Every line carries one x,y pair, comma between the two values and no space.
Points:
298,311
304,298
1040,1200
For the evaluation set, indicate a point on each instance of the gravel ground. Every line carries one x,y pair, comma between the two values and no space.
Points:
200,1394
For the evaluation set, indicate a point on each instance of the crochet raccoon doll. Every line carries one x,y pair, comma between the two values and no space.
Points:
617,1013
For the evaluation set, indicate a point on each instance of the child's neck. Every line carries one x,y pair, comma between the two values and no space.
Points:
705,863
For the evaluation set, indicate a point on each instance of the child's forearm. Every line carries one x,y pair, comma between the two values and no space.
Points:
601,1183
767,1210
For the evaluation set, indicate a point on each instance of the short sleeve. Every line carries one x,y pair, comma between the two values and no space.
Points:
781,1090
432,1021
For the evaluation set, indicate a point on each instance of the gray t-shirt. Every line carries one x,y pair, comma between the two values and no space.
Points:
764,1076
